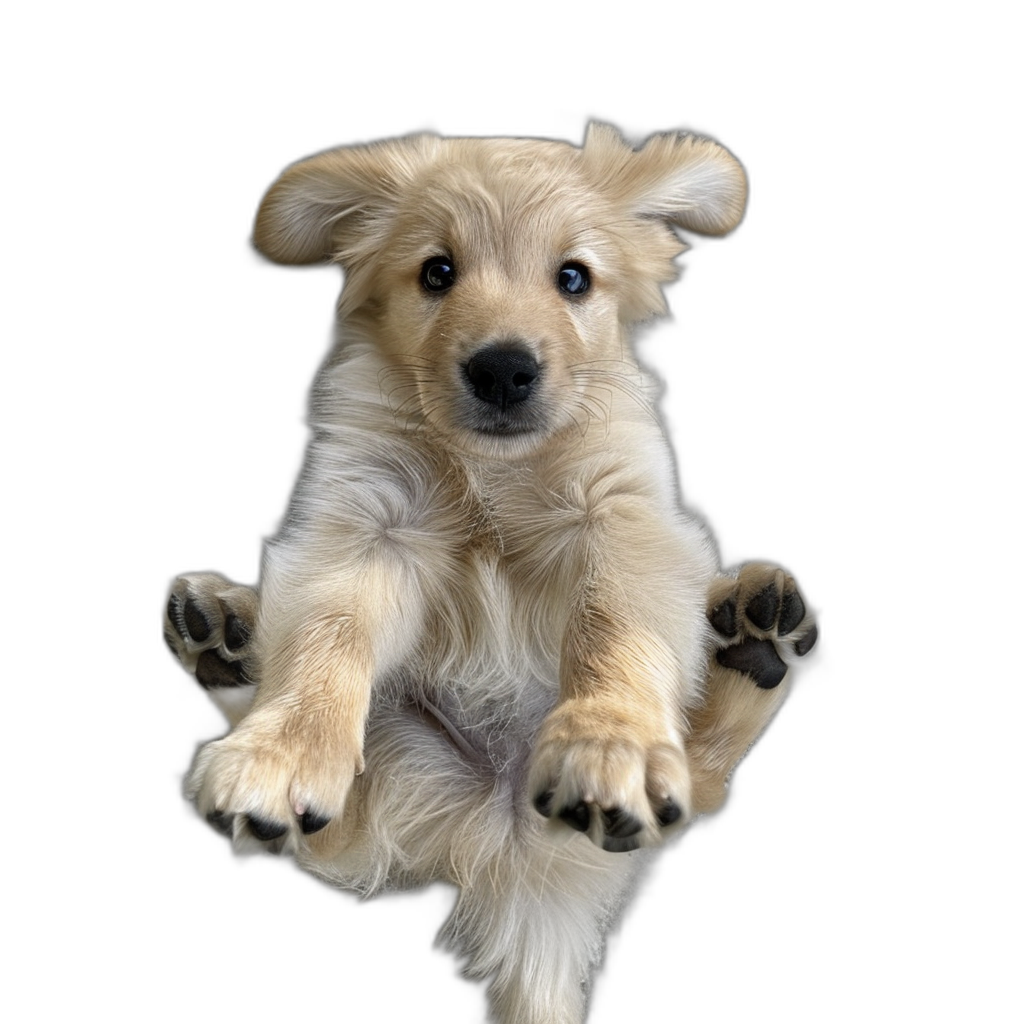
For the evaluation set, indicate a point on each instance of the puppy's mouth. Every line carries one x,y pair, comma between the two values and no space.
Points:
503,428
501,384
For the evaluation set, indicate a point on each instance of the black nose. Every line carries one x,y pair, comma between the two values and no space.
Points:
502,376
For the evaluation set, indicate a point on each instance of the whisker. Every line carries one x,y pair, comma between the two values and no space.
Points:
597,374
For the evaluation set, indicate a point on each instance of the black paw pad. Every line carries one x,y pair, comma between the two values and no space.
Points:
577,817
214,673
311,822
196,622
669,813
723,618
265,830
620,824
236,633
188,621
543,801
792,613
757,659
806,642
762,607
221,822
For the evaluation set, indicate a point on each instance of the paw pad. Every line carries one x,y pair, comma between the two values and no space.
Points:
723,618
187,619
757,659
763,606
763,615
214,673
208,624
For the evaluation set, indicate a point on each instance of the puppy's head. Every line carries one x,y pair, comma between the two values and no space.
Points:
500,275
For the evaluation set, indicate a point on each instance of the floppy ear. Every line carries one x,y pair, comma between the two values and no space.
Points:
319,207
691,182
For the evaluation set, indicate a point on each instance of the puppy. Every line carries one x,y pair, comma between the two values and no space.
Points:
488,646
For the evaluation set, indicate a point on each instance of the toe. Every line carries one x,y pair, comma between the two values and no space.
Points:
792,613
763,607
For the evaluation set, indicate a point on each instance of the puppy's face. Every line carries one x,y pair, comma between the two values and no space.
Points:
496,275
500,292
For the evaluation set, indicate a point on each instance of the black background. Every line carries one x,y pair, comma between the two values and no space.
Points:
743,902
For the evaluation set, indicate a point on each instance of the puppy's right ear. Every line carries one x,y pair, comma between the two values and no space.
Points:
686,180
324,207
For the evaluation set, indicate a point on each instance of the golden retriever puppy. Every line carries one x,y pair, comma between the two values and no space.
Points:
488,645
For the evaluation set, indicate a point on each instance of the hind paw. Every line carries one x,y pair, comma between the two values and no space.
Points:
760,619
208,625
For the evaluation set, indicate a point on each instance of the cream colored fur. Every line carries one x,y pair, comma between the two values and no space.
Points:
457,621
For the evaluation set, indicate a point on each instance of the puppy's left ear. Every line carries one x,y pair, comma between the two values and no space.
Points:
692,182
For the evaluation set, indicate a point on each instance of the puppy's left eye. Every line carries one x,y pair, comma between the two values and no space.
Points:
573,279
437,274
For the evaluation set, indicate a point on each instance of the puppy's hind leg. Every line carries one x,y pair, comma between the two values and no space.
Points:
208,623
761,623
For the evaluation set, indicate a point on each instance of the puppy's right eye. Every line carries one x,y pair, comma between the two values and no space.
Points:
573,279
437,274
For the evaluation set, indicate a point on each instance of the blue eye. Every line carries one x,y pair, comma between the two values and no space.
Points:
573,279
437,274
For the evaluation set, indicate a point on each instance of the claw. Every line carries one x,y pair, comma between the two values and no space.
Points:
577,817
620,824
806,642
266,830
627,845
311,822
670,813
221,822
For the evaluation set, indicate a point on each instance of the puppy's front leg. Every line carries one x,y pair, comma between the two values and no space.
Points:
322,636
609,759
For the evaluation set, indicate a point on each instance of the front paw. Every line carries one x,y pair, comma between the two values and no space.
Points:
277,776
622,783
